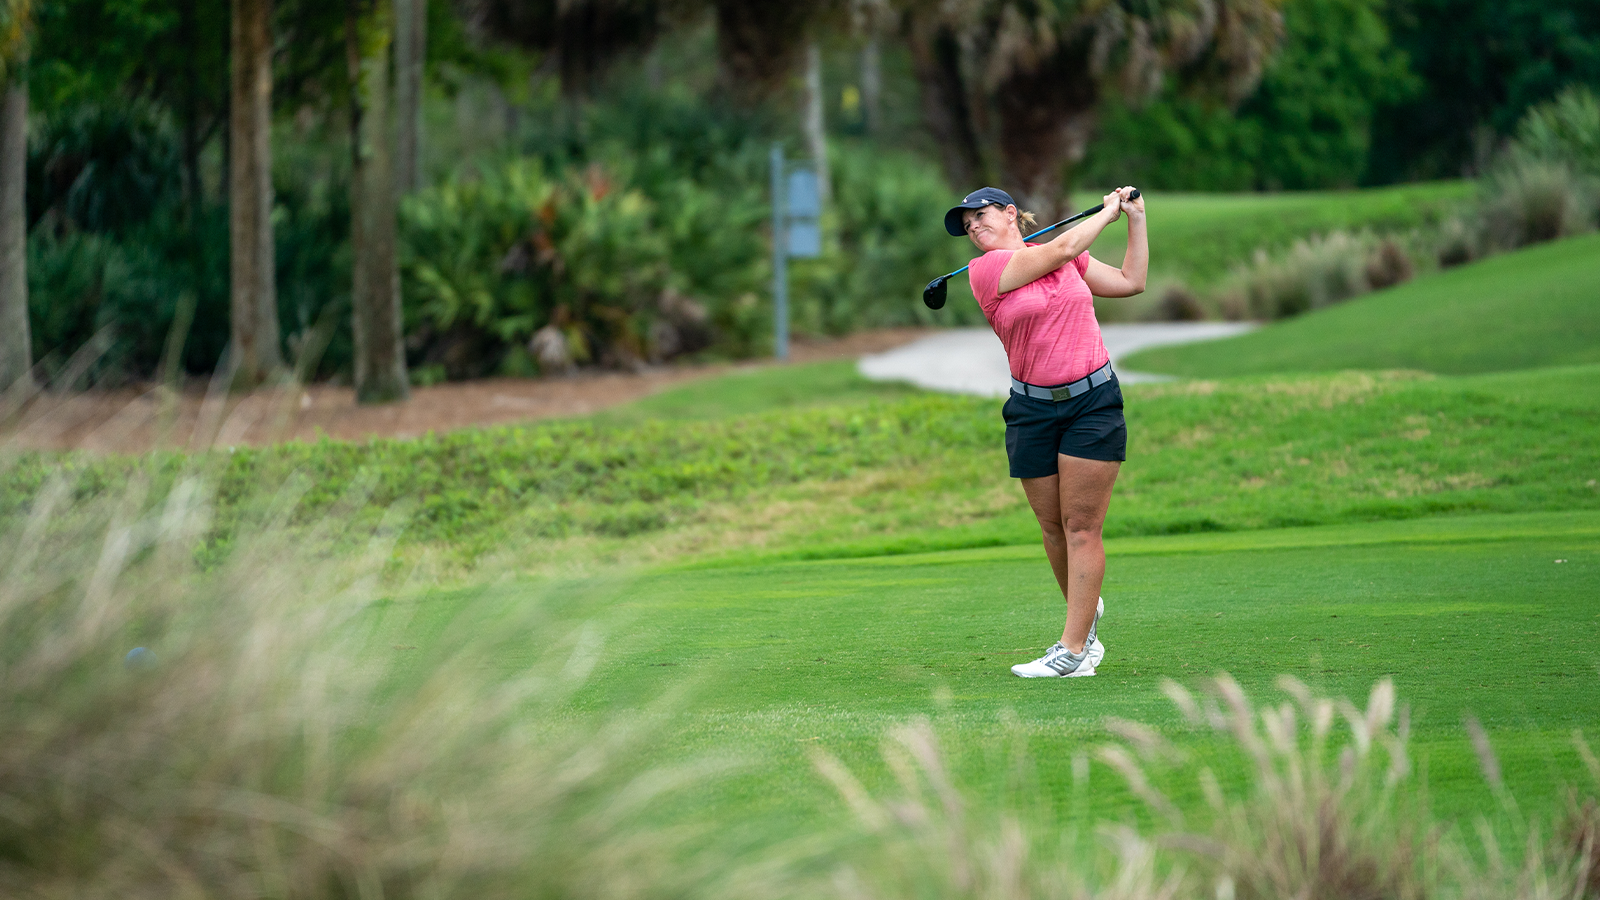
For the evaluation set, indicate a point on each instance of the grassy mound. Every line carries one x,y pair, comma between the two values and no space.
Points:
1534,307
908,473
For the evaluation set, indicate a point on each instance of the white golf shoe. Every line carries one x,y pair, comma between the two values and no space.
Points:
1058,662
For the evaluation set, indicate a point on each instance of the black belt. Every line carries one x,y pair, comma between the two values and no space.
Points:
1064,391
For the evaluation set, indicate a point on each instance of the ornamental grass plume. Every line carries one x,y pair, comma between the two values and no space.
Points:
1316,800
270,741
1318,817
930,840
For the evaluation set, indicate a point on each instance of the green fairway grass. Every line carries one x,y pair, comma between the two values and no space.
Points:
1197,238
1536,307
1467,615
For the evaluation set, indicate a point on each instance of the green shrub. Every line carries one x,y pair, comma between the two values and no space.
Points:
1566,128
115,247
580,259
103,169
130,287
704,168
885,243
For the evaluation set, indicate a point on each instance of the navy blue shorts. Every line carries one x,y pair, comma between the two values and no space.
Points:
1089,426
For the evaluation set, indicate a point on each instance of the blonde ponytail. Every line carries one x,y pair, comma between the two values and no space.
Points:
1025,218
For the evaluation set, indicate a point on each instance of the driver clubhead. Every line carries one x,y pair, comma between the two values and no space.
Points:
933,294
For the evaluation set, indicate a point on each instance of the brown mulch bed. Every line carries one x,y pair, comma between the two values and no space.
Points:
133,420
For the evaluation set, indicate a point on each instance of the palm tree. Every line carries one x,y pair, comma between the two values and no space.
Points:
252,254
380,362
1010,87
410,49
16,347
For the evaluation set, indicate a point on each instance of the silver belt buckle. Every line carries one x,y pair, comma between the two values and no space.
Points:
1061,393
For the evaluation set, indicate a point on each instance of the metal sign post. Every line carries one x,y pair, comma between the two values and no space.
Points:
796,232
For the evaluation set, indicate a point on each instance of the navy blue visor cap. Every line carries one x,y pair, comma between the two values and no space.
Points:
978,199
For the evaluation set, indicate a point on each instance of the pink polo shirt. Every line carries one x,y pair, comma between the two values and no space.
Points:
1047,326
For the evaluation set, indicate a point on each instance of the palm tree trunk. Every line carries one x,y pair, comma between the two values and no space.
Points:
380,363
254,291
871,86
815,130
947,108
16,344
189,109
410,51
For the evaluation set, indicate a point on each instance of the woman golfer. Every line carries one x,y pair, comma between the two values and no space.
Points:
1065,435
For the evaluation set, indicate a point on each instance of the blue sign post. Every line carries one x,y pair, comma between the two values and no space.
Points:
796,232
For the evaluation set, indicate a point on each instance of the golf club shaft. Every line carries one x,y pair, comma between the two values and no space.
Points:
1134,195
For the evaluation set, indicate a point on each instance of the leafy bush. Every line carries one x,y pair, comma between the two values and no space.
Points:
102,169
116,248
884,245
494,259
1566,128
627,259
131,286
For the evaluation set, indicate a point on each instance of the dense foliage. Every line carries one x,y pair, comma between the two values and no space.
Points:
1482,64
1307,125
618,207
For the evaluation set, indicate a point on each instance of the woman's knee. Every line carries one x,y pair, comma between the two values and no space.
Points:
1083,530
1054,530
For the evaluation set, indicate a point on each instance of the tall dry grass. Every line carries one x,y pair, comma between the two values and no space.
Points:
1318,802
273,742
1316,272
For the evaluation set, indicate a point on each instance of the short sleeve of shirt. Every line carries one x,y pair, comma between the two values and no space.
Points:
1081,261
984,275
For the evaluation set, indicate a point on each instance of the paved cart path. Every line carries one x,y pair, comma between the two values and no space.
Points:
971,360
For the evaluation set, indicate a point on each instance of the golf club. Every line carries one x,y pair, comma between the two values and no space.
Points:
933,294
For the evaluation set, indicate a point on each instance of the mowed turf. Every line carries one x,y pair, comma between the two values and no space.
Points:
1536,307
1494,616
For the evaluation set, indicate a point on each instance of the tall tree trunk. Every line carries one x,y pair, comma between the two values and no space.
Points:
188,30
1049,116
254,290
947,109
815,130
380,362
410,52
16,343
871,86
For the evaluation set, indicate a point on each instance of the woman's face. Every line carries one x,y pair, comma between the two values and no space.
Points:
991,226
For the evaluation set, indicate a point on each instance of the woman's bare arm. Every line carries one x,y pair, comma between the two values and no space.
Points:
1033,263
1103,280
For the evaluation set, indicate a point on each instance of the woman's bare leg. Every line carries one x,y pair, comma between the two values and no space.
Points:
1071,508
